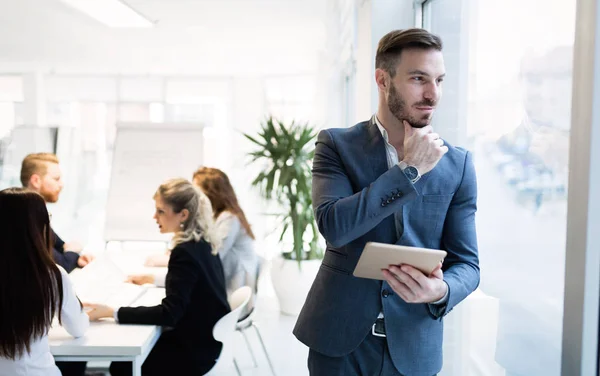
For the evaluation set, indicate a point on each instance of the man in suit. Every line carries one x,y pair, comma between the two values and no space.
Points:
41,173
391,180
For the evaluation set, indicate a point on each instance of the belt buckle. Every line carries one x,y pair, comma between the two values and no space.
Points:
378,328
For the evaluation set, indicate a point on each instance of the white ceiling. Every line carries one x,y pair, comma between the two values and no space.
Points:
200,37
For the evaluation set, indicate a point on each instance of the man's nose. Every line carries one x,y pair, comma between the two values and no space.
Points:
433,91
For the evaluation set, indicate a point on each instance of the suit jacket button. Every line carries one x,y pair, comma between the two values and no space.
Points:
388,201
399,194
385,293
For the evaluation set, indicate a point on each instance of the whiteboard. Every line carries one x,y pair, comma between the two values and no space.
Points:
146,155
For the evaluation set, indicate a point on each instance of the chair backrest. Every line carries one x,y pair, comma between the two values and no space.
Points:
225,327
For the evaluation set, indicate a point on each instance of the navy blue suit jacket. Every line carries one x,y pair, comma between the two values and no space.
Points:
66,259
355,197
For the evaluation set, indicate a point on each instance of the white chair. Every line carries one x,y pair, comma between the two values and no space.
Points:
224,329
248,322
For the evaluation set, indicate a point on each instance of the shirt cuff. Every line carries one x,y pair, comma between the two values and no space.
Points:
159,278
116,314
444,299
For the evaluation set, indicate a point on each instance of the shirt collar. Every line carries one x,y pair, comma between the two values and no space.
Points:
384,133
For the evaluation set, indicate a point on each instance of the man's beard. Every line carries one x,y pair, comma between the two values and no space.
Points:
397,107
49,197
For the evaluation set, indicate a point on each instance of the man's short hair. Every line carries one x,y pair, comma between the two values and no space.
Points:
36,164
393,43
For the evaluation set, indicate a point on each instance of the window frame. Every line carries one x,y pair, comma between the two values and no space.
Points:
420,9
582,259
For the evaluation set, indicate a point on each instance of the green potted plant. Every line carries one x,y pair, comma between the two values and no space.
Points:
285,153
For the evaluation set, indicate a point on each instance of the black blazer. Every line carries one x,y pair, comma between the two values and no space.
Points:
66,259
195,300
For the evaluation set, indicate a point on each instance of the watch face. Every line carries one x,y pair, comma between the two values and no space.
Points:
411,172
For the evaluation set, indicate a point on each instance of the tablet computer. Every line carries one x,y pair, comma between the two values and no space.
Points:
377,256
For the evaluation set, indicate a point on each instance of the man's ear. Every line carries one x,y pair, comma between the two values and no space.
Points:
381,78
35,182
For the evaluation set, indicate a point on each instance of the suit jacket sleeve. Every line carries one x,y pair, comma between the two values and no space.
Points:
459,238
58,242
342,215
181,279
66,259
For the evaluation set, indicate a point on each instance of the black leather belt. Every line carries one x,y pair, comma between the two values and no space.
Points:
378,328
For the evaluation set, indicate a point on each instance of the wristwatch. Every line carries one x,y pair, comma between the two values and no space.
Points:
411,172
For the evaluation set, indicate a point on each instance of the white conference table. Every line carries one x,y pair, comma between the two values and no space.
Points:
106,340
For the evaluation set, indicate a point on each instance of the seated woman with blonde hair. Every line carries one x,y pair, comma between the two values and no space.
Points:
195,288
240,261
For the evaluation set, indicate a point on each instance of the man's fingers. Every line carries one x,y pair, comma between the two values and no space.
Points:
399,288
408,129
412,277
437,272
432,136
428,129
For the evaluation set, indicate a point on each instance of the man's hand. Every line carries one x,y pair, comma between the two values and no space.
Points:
422,148
73,247
98,311
140,279
415,287
83,260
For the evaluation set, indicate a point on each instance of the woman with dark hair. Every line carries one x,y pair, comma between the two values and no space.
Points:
195,288
33,289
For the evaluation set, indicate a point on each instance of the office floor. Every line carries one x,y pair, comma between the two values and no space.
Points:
287,354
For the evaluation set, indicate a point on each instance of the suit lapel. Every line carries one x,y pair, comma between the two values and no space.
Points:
374,149
376,156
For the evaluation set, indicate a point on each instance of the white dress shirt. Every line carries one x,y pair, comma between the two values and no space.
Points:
39,361
392,160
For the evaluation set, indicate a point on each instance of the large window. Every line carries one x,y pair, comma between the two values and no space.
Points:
508,99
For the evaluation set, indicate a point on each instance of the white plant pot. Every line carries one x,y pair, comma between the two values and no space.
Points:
291,283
